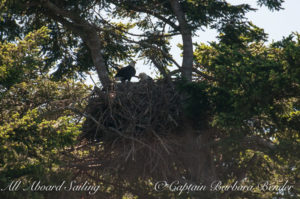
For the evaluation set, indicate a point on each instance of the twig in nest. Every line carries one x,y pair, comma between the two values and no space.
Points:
161,142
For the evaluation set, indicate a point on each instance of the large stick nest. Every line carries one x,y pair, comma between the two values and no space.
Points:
141,131
133,110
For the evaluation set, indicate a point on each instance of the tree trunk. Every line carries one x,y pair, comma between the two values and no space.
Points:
186,34
86,31
93,42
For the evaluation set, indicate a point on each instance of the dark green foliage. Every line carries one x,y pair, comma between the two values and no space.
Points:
35,124
271,4
196,103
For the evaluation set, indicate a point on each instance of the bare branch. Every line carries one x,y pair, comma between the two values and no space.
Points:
203,74
257,141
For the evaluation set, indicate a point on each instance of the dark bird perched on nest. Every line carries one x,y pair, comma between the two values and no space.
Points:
126,73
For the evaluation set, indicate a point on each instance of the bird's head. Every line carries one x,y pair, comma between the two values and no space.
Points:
132,63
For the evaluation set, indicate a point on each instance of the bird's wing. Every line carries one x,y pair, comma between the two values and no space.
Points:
122,72
132,71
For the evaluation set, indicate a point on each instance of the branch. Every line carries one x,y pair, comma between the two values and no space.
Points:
204,75
132,34
160,68
86,31
142,43
257,141
155,48
151,12
59,12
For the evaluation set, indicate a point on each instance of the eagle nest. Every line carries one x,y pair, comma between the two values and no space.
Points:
139,129
142,109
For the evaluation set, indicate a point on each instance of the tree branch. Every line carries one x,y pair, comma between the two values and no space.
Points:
257,141
165,54
204,75
152,13
160,68
88,34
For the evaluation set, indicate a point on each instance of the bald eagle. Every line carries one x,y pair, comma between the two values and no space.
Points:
145,77
126,73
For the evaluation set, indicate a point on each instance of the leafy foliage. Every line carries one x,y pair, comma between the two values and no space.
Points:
36,124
